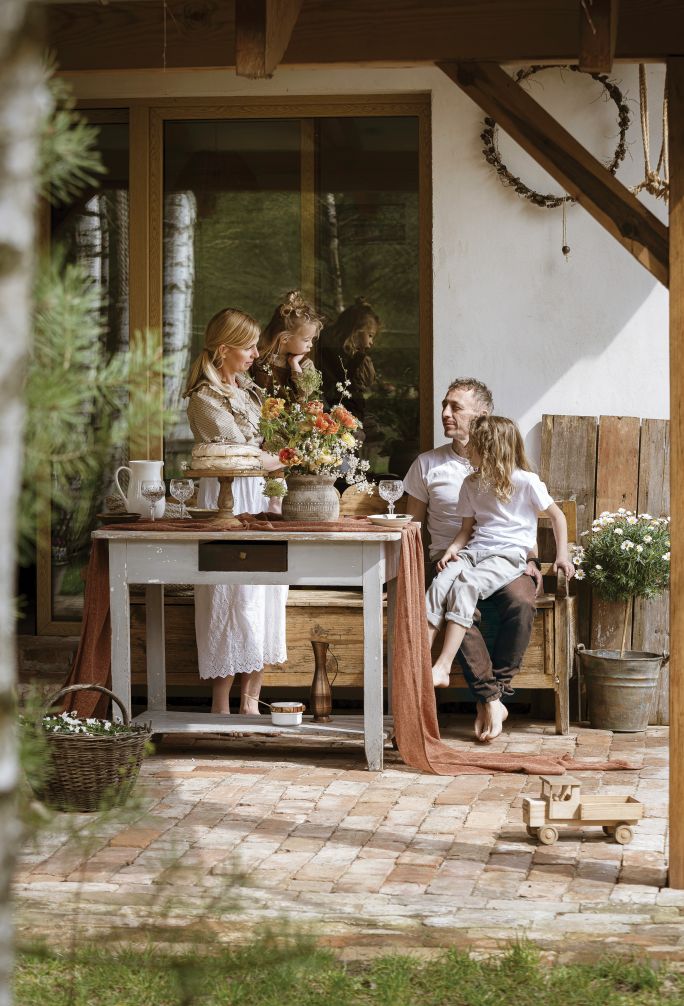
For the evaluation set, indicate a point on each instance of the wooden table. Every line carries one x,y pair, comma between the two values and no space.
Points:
313,559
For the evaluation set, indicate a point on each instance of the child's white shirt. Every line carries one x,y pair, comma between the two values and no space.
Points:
501,526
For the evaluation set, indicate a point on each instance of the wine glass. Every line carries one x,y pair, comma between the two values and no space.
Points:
152,490
391,490
182,490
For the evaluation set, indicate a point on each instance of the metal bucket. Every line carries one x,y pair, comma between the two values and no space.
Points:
620,689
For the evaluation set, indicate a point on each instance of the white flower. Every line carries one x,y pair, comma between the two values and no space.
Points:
645,516
185,466
577,560
621,510
618,530
639,548
648,539
597,566
583,534
580,574
605,513
631,520
666,557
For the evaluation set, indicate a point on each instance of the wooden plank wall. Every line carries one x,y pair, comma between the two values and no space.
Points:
617,461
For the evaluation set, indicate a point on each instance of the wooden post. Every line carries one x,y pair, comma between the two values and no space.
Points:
598,32
676,118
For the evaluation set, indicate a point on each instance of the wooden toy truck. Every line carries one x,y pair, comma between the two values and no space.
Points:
561,802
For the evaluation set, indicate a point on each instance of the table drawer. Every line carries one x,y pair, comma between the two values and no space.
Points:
235,556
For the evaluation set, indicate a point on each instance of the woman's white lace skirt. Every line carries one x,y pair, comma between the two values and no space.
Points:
239,628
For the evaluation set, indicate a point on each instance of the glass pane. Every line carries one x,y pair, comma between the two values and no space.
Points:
367,247
232,237
93,231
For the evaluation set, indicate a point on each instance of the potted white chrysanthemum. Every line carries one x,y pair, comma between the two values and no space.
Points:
625,555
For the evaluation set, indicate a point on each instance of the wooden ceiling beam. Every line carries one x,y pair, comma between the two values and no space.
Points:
263,29
582,176
147,34
598,35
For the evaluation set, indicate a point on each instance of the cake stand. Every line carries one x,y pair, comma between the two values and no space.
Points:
225,477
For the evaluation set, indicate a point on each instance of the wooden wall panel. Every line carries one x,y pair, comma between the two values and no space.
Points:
651,627
617,483
568,467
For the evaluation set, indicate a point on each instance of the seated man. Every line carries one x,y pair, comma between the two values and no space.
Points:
433,484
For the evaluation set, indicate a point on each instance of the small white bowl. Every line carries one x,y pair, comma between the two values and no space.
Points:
286,714
394,521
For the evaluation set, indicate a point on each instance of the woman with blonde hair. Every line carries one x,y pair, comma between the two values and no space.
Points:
239,628
285,344
498,505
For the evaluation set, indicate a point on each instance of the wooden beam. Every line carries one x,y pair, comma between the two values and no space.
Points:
582,176
598,34
263,29
675,78
146,33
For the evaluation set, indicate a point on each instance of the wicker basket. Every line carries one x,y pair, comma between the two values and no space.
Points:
88,773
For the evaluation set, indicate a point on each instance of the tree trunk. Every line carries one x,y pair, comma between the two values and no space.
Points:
22,100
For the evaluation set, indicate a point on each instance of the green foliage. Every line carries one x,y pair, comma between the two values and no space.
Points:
79,401
625,555
68,156
288,971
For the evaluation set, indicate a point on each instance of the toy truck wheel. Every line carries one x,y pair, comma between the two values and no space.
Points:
532,832
548,835
623,834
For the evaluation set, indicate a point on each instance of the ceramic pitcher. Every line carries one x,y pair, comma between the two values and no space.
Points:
140,471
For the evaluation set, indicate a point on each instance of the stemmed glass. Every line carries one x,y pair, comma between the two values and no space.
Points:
182,490
391,490
152,490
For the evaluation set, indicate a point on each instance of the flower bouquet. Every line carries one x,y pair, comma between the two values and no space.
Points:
625,555
312,443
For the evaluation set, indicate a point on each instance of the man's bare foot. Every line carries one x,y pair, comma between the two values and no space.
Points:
440,675
480,720
495,716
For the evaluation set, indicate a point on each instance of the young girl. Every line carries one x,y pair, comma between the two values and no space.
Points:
499,505
285,344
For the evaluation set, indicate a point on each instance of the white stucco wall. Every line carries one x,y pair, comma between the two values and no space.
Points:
585,336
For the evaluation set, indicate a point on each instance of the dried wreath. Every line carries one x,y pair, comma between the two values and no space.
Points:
491,148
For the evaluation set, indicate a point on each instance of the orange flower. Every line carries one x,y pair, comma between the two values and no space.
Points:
288,456
326,424
313,408
344,417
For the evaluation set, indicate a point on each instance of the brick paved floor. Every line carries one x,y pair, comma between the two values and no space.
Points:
233,834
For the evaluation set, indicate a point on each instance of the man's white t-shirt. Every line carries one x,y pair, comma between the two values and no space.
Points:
501,526
435,478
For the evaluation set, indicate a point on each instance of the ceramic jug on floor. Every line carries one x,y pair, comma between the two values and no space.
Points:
140,471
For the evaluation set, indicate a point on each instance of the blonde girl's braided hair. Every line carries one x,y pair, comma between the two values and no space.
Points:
498,442
294,312
229,327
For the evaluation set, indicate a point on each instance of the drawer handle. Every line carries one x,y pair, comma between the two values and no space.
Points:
243,555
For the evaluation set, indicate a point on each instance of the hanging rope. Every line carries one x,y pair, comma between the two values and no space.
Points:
653,182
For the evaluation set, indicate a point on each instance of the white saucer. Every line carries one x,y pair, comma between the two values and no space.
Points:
397,520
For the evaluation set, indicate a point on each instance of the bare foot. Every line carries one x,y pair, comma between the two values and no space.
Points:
480,720
249,706
220,710
440,675
495,716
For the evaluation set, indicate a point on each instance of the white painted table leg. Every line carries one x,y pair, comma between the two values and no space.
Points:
156,654
121,627
372,655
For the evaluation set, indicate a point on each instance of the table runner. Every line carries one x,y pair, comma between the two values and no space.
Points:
414,705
